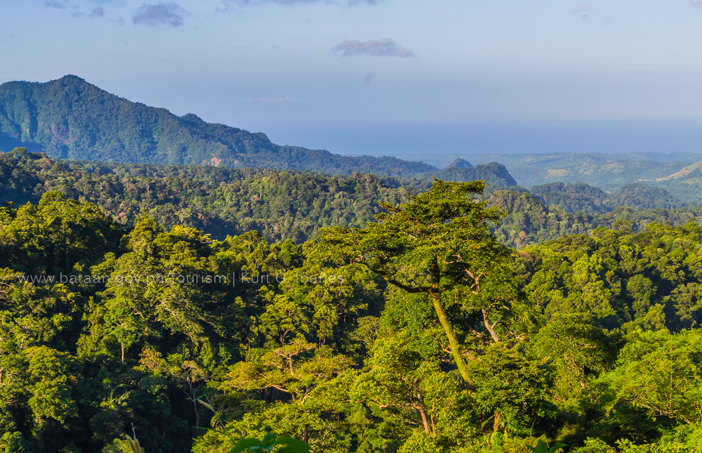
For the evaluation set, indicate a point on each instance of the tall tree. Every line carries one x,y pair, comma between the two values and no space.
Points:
438,244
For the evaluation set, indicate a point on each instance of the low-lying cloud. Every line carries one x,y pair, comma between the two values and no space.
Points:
380,48
169,14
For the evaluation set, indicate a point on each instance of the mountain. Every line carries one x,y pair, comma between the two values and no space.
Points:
492,173
639,195
220,201
282,205
572,197
72,119
460,163
580,197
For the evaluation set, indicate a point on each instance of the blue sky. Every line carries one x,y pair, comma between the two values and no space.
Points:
268,65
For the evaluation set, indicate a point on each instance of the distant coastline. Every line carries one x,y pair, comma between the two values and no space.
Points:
439,143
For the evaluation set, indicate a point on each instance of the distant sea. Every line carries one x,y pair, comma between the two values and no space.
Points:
439,143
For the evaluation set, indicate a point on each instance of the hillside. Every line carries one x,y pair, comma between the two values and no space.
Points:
282,205
685,184
528,221
684,173
607,171
72,119
220,201
492,173
592,200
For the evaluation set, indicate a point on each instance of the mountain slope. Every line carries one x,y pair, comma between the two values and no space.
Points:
70,118
685,184
593,200
283,205
684,173
492,173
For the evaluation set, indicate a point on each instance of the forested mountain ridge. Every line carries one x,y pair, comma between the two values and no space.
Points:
493,173
593,200
283,205
529,221
69,118
220,201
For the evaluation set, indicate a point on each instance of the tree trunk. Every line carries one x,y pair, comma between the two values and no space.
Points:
453,340
425,420
197,410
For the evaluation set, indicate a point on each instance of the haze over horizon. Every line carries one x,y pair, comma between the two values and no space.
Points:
383,76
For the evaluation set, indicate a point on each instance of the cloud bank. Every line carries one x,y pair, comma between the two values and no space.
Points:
159,14
380,48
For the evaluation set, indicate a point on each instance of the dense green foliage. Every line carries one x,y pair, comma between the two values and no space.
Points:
529,221
572,197
492,173
292,205
419,333
220,201
592,200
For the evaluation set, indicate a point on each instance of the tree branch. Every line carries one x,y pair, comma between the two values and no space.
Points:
490,328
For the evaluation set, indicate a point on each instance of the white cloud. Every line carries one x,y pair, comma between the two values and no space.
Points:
380,48
160,14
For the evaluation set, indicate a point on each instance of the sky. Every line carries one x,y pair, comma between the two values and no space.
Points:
319,73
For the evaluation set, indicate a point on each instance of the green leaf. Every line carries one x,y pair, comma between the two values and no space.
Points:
541,447
246,444
290,445
269,439
556,447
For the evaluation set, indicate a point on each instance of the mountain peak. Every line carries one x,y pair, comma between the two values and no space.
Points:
460,163
71,78
192,118
71,118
